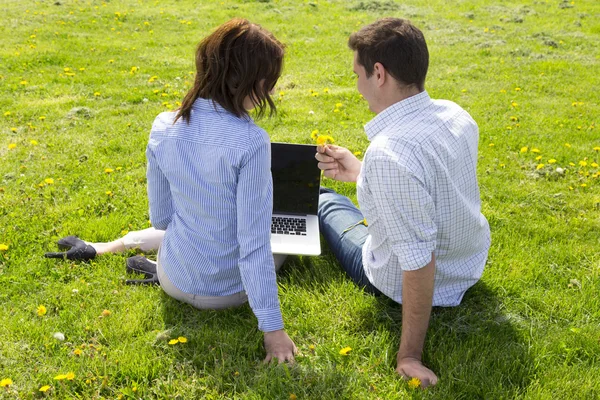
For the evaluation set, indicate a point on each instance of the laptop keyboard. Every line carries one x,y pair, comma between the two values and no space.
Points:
288,226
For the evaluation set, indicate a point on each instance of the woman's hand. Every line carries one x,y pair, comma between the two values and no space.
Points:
279,345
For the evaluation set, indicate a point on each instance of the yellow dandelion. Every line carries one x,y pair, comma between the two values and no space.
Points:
23,82
339,105
583,185
96,94
326,90
70,376
514,104
282,93
538,158
524,149
293,396
502,90
6,382
414,383
109,171
583,163
173,341
357,153
111,61
345,351
513,118
517,89
77,352
44,388
534,150
60,377
33,142
596,148
324,139
182,339
6,114
49,181
13,129
41,310
314,134
569,146
540,166
3,247
311,346
105,313
82,69
12,146
572,164
491,145
315,94
551,161
109,193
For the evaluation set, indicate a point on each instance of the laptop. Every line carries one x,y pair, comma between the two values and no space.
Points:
296,182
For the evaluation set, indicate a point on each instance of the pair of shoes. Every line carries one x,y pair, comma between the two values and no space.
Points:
77,249
141,265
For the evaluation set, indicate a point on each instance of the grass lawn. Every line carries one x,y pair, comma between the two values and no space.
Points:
81,82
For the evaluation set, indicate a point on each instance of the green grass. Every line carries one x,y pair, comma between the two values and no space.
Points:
529,330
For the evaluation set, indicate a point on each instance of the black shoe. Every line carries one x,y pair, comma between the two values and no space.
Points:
77,249
141,265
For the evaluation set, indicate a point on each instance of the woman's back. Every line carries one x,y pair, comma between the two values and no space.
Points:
214,191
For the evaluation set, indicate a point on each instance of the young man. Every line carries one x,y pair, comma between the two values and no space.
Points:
419,236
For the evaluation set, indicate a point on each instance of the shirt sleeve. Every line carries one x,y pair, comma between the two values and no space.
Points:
406,210
159,193
254,211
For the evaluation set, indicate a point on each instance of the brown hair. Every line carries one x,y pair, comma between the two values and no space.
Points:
398,45
237,60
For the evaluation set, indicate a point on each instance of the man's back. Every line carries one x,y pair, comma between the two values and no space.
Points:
418,191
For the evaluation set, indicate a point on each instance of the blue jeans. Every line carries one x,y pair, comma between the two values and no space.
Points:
338,218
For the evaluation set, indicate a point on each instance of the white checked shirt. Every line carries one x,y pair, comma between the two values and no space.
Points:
418,192
210,188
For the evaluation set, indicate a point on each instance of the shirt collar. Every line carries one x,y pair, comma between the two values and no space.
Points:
395,112
207,104
203,104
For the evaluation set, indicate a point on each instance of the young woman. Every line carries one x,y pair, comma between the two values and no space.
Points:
210,186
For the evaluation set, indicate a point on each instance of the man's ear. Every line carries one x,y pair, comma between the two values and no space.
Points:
380,73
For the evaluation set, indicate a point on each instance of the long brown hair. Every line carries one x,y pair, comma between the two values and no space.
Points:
239,59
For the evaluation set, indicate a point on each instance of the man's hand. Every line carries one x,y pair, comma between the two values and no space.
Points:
279,345
409,367
338,163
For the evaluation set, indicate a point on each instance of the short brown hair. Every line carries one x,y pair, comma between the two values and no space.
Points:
398,45
237,60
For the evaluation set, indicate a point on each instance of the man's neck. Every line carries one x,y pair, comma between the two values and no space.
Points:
394,95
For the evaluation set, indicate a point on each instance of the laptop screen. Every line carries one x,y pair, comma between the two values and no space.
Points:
296,178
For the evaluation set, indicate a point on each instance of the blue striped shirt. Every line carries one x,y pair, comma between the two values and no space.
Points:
210,188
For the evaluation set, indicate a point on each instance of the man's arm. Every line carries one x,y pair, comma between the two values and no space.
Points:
417,297
407,212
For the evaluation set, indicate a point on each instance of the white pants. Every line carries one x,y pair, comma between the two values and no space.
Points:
151,239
